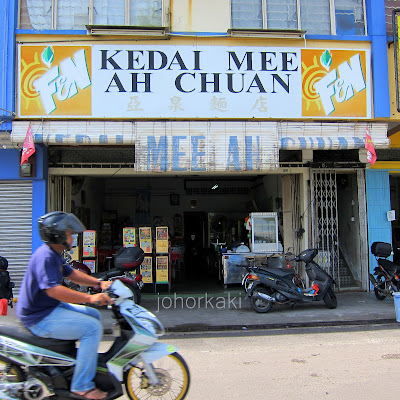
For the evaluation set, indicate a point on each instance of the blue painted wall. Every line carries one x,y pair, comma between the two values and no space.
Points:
376,25
378,204
8,24
9,170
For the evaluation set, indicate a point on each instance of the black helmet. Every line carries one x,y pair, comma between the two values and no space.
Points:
3,263
53,227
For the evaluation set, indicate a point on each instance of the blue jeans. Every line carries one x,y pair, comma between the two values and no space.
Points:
73,321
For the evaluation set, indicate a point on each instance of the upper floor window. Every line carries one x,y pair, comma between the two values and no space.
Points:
321,17
76,14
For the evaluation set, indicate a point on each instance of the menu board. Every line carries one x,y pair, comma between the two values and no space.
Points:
162,269
162,239
145,239
146,270
129,235
89,244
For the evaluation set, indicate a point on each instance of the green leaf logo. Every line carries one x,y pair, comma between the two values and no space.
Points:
326,60
48,56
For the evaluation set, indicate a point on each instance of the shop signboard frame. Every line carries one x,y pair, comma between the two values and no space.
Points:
195,82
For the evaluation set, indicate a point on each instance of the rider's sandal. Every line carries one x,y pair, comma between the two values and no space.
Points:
84,395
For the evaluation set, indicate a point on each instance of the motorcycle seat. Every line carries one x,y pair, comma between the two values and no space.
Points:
15,330
281,272
99,275
389,266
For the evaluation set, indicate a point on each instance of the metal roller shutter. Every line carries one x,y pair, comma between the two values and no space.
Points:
16,227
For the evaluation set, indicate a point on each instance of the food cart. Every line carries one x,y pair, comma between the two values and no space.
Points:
264,243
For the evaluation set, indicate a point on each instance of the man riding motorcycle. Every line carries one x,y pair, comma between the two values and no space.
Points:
44,304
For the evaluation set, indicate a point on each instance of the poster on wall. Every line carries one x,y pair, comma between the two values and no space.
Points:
89,243
145,241
162,239
75,250
135,81
162,269
91,264
129,235
146,270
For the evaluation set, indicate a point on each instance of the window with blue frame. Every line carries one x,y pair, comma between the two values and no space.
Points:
322,17
76,14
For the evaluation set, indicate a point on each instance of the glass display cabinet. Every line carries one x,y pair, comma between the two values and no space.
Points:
264,232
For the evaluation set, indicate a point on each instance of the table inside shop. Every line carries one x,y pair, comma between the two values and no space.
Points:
234,265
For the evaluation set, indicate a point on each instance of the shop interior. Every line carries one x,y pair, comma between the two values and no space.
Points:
204,216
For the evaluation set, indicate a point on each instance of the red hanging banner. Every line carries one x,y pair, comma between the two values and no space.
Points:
371,155
29,146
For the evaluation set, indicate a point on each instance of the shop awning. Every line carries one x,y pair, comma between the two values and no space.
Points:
204,146
289,135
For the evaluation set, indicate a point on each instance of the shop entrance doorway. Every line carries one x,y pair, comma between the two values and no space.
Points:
195,245
338,206
205,216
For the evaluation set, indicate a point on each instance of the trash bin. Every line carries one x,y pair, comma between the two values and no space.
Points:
396,297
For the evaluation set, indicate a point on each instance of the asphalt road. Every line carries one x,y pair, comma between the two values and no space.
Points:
299,364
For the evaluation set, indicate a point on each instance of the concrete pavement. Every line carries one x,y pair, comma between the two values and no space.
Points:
231,310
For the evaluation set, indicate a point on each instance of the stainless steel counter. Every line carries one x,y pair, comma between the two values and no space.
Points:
234,265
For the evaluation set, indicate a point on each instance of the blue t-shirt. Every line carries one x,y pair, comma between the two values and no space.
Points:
46,269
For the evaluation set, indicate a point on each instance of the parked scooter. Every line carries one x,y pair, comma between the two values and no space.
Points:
387,273
35,368
122,271
266,286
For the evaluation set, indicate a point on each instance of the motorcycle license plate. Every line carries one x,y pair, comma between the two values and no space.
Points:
140,284
249,286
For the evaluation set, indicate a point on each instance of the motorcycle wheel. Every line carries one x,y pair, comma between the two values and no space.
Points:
258,305
172,372
330,298
381,282
379,295
10,373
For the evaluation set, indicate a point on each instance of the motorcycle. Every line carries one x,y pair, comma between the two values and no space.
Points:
35,368
121,271
267,285
387,273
